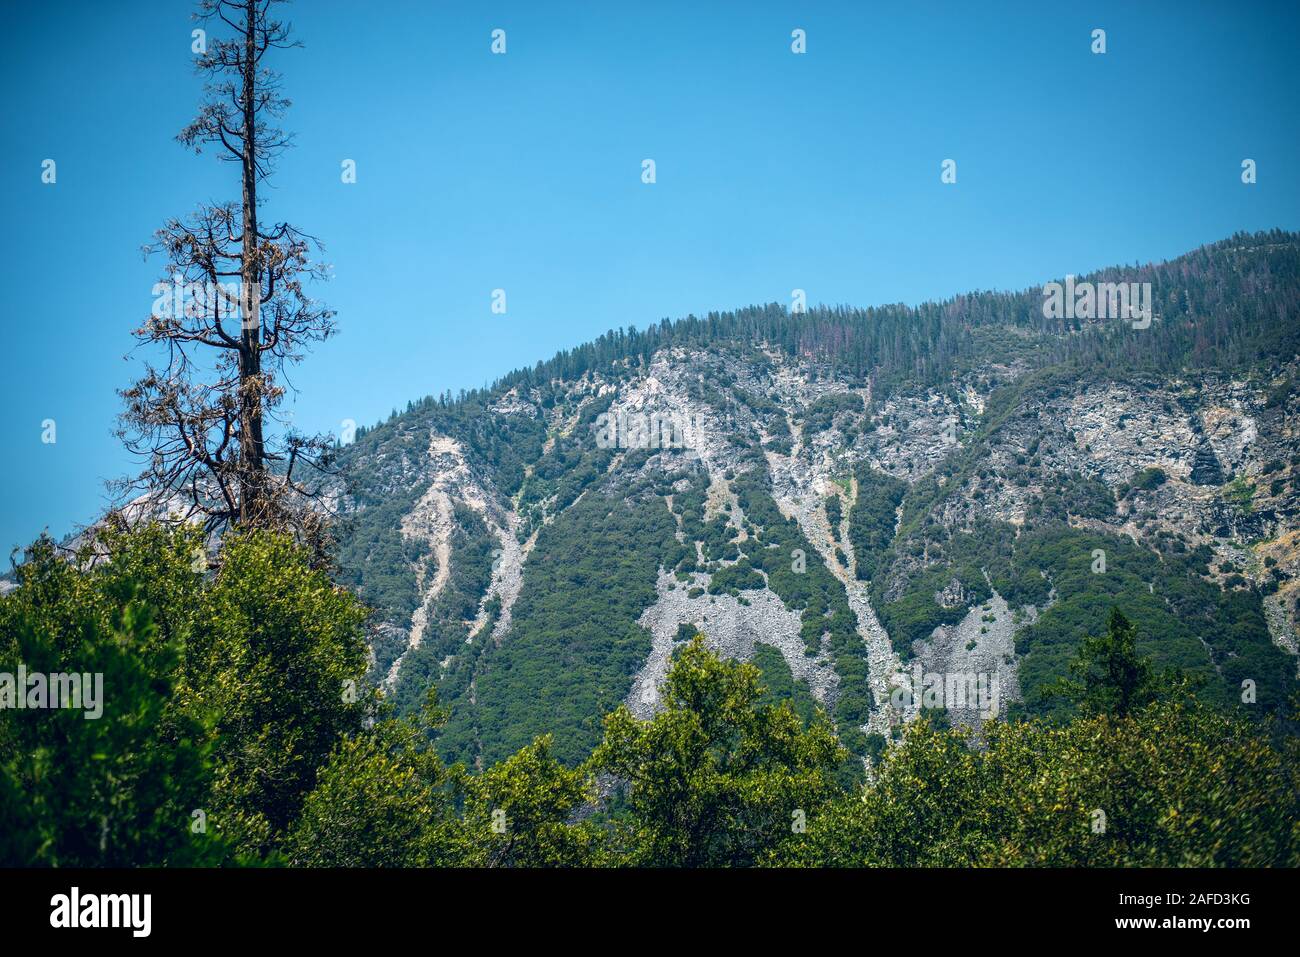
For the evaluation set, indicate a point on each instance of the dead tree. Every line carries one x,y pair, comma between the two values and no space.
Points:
231,315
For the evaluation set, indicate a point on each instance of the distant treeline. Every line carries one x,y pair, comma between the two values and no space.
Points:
1224,306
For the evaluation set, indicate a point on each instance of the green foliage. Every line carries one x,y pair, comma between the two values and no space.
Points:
733,579
1145,481
834,514
1072,494
1241,493
715,778
871,522
384,799
377,562
277,654
260,665
1112,677
115,789
821,414
1178,785
574,643
1280,393
779,683
574,462
383,484
518,813
1183,621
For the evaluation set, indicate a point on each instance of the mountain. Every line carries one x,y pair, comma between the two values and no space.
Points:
845,496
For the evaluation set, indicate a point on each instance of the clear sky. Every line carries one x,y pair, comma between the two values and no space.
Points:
523,172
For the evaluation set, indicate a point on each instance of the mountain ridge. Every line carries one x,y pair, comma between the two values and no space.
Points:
927,462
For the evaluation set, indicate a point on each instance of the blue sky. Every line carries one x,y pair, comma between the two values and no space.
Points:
523,172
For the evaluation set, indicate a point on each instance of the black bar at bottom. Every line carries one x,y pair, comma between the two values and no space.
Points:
335,906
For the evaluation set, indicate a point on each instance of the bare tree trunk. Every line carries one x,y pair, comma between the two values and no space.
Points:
250,355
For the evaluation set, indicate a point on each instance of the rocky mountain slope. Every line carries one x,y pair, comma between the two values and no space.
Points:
851,498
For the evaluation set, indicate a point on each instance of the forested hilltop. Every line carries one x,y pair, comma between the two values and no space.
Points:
664,599
971,484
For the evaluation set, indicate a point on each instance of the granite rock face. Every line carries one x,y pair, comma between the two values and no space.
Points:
730,628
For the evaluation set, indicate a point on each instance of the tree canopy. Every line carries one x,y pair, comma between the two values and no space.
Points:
237,729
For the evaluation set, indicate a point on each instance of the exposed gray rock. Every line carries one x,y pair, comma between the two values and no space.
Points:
729,627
